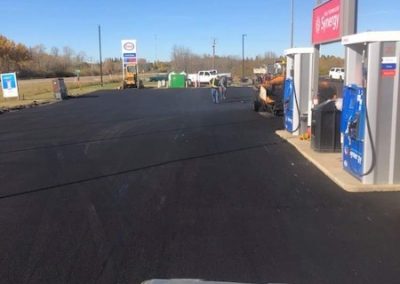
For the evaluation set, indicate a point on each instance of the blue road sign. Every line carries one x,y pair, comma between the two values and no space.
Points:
9,85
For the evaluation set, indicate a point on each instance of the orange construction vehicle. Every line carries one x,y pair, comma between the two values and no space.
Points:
130,77
269,90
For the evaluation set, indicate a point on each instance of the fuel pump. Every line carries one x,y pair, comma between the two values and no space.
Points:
291,107
353,128
371,107
297,91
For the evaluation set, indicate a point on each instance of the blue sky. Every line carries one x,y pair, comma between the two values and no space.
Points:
159,24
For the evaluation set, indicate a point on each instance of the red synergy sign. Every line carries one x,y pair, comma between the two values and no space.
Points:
326,25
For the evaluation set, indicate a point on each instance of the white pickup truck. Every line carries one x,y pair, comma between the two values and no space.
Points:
201,77
336,73
205,76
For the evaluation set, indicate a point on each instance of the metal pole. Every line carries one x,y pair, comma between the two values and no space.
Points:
292,25
356,18
123,70
101,61
243,35
213,62
155,47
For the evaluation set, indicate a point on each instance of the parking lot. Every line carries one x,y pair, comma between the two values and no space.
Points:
129,185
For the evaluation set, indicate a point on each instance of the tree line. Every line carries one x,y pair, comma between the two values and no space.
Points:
38,62
326,62
183,59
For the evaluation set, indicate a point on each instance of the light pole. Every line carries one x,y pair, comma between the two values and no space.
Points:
243,36
213,59
292,24
101,60
155,50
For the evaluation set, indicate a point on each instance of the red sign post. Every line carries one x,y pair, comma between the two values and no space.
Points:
327,22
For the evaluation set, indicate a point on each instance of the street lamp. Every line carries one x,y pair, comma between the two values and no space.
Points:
243,36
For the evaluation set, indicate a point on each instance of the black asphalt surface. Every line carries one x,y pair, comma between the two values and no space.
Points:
126,186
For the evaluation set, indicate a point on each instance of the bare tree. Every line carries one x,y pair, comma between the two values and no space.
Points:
181,58
55,51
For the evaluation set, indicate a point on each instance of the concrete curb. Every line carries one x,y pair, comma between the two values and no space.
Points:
331,165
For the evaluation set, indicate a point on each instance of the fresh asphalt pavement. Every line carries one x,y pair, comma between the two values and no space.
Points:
126,186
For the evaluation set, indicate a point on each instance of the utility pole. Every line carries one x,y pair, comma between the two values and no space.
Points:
292,25
213,62
101,60
155,48
243,36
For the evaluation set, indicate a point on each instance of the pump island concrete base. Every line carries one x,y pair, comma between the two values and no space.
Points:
331,165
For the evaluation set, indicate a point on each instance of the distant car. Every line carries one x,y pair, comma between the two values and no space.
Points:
336,73
159,77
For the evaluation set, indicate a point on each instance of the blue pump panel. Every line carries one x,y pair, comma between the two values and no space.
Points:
288,104
353,129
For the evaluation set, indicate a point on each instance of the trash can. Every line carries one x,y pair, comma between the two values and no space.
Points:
60,89
178,81
325,127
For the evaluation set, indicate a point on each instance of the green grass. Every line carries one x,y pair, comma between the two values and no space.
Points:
41,91
76,91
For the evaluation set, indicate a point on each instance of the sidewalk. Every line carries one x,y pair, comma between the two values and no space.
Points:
331,165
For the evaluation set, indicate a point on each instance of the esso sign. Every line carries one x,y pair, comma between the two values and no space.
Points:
128,46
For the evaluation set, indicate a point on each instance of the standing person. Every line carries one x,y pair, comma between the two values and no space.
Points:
223,82
214,84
